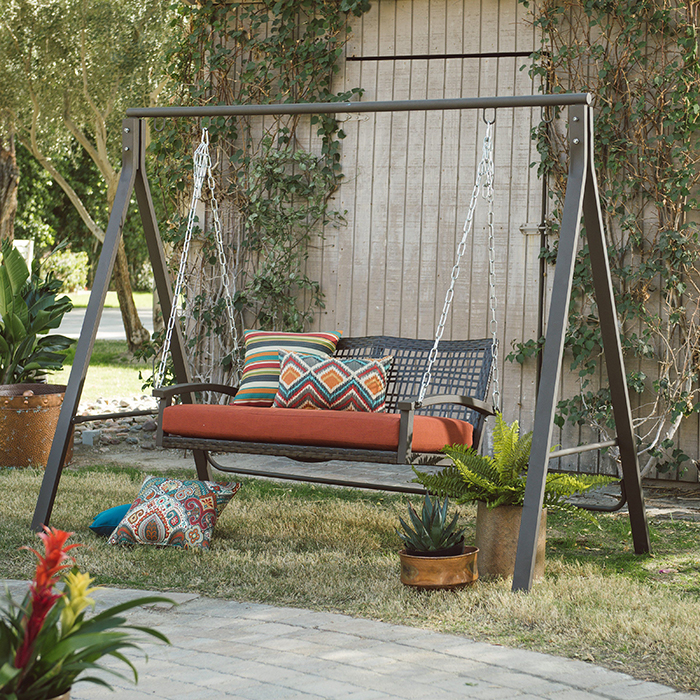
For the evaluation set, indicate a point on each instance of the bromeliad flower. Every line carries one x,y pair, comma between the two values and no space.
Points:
41,596
76,599
51,563
46,642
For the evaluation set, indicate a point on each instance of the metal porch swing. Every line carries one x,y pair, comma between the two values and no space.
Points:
458,372
437,370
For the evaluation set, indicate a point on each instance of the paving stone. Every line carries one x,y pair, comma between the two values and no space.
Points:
241,651
633,690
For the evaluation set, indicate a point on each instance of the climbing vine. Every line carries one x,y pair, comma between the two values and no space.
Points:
276,175
640,60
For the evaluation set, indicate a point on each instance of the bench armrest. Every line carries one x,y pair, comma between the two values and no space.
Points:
475,404
167,392
165,395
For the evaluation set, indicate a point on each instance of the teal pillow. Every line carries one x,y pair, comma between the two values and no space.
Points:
106,522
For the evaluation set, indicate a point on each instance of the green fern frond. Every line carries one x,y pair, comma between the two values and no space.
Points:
505,437
511,450
446,483
565,485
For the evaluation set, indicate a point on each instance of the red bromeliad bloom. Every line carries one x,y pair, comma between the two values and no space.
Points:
42,597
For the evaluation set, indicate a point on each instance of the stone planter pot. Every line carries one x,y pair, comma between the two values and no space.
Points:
439,572
497,531
28,417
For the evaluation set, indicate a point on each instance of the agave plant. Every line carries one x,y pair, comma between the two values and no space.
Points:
29,309
500,480
431,531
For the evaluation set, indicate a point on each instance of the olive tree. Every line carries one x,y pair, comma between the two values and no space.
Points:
68,70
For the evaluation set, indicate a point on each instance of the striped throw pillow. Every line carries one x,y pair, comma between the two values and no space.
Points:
332,383
261,369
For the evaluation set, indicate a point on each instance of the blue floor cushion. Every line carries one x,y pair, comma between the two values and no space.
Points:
106,522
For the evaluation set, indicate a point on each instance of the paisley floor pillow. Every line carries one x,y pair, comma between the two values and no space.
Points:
174,513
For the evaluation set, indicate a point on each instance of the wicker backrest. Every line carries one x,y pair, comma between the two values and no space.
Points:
462,367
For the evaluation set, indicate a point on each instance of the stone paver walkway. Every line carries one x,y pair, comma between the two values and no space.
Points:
244,651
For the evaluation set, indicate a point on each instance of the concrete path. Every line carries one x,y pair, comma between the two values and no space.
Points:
243,651
111,326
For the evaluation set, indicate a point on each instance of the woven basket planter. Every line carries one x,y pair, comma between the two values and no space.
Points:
28,417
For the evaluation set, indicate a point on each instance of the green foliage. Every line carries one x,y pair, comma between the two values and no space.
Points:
500,480
640,59
431,531
275,180
29,308
71,268
68,71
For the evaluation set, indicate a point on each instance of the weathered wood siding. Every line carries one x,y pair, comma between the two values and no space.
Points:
409,179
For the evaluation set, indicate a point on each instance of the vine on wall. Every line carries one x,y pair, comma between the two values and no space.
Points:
640,59
277,176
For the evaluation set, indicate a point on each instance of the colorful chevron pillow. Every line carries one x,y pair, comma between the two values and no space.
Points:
261,370
339,385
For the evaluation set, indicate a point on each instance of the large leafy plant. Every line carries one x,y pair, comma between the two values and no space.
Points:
29,309
500,480
47,643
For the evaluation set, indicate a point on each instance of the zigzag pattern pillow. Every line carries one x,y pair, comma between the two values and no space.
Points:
332,384
170,512
261,369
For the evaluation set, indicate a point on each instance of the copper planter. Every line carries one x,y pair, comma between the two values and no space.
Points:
439,572
497,532
28,417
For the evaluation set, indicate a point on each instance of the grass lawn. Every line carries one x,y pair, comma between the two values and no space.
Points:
336,550
143,300
113,371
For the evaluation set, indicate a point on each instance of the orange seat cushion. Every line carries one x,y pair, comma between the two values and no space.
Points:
289,426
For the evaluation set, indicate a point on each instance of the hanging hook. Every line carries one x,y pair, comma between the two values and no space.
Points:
542,117
486,121
155,124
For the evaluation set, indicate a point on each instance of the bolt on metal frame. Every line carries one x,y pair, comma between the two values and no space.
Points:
581,200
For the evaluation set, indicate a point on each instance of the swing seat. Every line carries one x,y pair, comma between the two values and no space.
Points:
406,431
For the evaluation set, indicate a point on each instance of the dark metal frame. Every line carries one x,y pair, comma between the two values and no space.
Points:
581,199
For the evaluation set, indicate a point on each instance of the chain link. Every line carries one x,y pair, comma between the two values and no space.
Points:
202,171
484,172
493,300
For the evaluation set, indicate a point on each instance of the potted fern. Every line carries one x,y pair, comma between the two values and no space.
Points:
435,554
497,484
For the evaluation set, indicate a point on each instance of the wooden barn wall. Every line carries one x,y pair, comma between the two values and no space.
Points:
408,179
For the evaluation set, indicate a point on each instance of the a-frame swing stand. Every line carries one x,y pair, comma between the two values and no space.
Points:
581,199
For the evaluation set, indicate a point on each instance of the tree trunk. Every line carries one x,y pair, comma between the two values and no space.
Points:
9,180
136,334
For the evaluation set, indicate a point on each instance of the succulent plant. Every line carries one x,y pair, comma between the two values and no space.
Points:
431,530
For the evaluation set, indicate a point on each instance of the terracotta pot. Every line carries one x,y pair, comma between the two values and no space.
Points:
28,423
497,531
439,572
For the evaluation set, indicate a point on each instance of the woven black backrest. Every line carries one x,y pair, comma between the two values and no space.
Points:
462,367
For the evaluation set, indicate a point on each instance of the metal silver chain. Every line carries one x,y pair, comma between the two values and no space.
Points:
493,300
202,170
484,172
